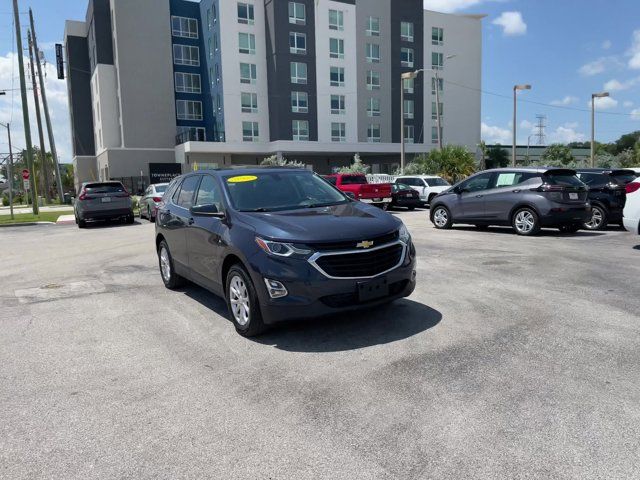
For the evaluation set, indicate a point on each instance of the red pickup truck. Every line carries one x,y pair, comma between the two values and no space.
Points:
378,194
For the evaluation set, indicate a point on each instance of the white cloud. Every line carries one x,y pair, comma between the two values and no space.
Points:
604,103
606,45
635,114
494,134
614,85
634,51
526,124
627,104
593,68
568,100
511,23
11,108
566,133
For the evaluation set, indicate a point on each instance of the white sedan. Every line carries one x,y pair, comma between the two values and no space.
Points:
150,200
631,211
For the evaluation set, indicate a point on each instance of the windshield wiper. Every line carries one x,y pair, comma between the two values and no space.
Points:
261,209
318,205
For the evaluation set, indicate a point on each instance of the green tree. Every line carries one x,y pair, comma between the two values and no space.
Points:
66,172
629,158
627,141
274,161
558,154
358,166
453,162
484,152
497,157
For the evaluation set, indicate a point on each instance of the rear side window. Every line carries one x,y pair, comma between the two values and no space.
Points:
209,193
160,188
437,182
623,178
106,187
354,180
188,189
593,179
562,179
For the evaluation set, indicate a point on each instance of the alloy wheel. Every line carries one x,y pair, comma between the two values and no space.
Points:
596,220
239,300
165,264
440,217
525,221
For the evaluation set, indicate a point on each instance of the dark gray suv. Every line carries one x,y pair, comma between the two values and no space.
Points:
525,198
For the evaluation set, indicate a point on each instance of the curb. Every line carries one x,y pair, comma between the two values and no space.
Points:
25,224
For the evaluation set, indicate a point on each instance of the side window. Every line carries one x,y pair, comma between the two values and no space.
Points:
185,197
508,179
209,193
593,179
175,192
477,183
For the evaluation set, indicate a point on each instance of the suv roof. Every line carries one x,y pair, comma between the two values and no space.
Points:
607,171
419,176
531,169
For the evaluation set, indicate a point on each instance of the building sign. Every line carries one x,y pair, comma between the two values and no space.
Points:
59,61
164,172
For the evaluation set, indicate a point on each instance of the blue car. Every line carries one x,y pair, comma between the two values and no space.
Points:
280,244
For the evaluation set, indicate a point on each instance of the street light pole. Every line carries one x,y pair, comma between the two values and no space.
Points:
513,147
402,123
593,124
10,169
438,127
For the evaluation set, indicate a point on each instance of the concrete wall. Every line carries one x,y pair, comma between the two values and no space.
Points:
84,170
105,109
128,162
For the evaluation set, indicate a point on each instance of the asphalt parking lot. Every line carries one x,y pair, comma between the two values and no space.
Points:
514,358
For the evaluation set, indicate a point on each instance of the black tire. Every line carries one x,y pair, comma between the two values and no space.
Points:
81,223
411,209
525,222
151,218
441,218
140,213
239,287
130,219
599,219
570,228
170,278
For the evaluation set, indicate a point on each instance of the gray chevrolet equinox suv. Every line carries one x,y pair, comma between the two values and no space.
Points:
525,198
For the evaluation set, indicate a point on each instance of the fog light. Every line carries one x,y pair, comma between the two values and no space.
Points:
275,288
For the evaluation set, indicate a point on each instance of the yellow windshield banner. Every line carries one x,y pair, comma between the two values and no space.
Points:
242,179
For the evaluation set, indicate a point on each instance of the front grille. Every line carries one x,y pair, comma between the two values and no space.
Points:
361,264
351,244
342,300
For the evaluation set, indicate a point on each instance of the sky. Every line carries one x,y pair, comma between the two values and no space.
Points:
566,49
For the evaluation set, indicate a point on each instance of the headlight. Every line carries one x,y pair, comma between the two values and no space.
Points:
404,235
280,249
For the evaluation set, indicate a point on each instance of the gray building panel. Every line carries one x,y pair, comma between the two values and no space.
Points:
79,89
100,39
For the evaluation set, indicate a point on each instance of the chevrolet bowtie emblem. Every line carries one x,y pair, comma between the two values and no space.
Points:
364,244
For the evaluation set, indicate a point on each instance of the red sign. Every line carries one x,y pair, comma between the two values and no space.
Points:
25,174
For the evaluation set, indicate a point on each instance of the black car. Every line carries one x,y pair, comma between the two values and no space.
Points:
528,199
606,194
280,244
404,196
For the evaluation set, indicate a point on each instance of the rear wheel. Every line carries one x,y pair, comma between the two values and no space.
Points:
525,222
170,278
598,219
149,216
411,209
441,218
130,219
242,302
140,213
81,223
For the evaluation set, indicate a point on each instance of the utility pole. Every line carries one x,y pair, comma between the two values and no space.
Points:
25,109
43,155
10,169
45,106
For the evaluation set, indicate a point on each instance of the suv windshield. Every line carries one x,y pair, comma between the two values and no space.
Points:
104,188
264,192
437,182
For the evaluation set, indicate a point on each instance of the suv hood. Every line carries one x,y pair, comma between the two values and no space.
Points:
349,221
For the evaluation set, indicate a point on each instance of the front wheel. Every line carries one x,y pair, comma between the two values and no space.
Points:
242,302
598,219
441,218
170,278
525,222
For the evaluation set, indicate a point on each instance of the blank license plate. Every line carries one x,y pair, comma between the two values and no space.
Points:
573,196
408,195
106,199
377,288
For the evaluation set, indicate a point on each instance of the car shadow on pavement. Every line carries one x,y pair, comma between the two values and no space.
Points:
545,232
111,224
346,331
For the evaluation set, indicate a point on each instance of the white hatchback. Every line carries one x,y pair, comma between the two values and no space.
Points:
427,186
631,213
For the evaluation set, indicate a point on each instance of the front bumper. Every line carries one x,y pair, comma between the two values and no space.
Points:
312,294
562,214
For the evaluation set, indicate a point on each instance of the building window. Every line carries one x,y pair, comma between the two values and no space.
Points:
250,132
406,32
249,102
300,130
336,48
246,13
247,42
248,73
406,57
209,19
215,42
373,53
408,133
210,47
186,55
437,36
408,85
192,134
299,73
434,112
187,82
299,102
408,109
338,132
338,105
373,80
297,13
434,134
437,60
219,102
184,27
336,20
188,110
373,107
433,85
336,76
298,43
373,133
373,26
217,69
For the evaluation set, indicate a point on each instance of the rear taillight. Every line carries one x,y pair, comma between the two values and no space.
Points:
545,187
83,196
157,199
632,187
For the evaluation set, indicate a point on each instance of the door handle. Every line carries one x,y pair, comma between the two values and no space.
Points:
517,190
190,221
479,196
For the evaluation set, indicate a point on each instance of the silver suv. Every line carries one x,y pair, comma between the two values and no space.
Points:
103,201
525,198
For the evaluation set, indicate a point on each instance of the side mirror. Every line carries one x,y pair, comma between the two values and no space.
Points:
209,210
351,195
460,190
